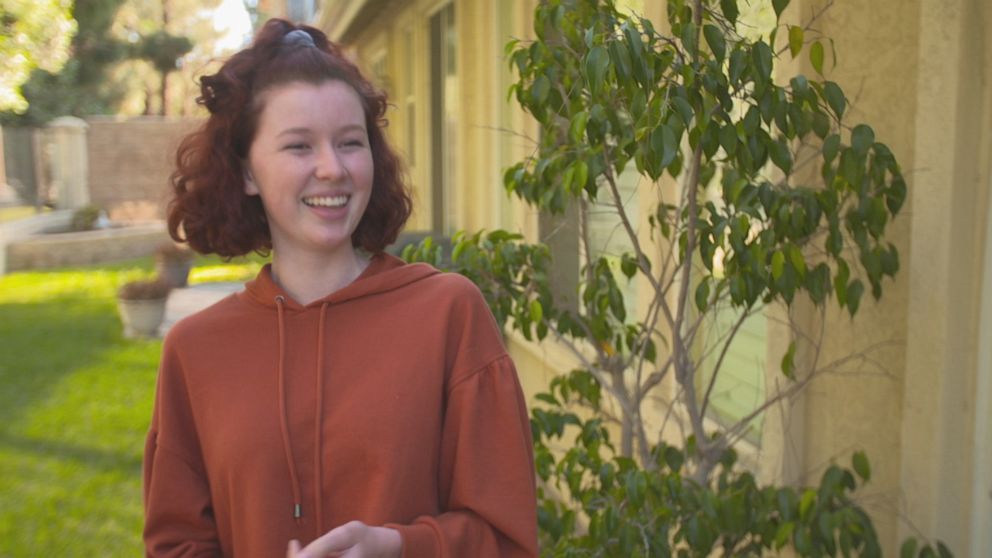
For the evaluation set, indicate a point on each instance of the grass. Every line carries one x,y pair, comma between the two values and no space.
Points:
75,401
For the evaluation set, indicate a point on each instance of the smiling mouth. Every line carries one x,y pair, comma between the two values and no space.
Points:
326,201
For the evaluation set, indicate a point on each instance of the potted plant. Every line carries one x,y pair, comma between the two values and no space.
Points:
142,306
173,263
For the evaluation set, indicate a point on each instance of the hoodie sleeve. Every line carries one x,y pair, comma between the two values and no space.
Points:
486,473
178,513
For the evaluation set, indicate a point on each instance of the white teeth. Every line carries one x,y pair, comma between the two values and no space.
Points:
326,201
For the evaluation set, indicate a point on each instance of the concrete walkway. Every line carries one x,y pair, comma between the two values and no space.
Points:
187,300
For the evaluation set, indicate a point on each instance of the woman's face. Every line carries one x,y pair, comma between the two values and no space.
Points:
311,164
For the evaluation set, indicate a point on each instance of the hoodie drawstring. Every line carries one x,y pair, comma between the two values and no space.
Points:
283,418
317,419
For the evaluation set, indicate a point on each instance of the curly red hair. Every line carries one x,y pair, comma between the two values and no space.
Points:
210,209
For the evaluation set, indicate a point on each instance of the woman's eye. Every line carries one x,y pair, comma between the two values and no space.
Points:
297,146
354,143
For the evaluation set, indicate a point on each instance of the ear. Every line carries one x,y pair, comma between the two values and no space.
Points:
251,187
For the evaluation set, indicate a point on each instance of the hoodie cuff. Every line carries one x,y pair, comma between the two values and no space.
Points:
419,540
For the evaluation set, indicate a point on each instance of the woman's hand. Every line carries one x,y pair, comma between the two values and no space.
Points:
351,540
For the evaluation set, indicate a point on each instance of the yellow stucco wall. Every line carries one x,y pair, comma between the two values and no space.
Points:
915,71
918,72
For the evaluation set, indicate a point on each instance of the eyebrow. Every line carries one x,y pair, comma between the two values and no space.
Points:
305,130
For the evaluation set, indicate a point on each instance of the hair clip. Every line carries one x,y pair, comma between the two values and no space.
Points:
298,37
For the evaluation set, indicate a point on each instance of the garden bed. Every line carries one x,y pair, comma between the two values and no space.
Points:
64,249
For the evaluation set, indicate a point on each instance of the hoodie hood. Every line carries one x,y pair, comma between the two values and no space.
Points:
384,273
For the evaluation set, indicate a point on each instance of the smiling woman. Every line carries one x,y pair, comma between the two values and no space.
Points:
311,164
345,401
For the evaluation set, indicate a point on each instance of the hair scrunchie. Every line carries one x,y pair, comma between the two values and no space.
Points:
298,37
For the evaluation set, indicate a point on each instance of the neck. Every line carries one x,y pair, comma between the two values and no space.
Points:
310,277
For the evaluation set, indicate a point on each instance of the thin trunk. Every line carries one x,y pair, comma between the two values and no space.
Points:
627,435
164,93
164,84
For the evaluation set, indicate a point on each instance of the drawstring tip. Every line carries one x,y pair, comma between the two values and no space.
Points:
297,512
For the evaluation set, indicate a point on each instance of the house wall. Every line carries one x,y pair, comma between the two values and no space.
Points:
917,72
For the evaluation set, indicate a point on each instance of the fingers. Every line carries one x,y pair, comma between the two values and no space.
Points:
294,549
336,540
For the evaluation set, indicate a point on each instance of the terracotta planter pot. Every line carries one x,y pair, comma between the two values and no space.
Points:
141,318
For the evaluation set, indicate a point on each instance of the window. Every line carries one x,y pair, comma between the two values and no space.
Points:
607,235
740,384
410,97
444,116
739,388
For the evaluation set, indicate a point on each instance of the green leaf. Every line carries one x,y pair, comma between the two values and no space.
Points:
835,98
730,11
664,145
703,294
789,361
620,58
816,56
862,138
596,64
628,265
577,128
840,281
684,109
738,62
728,139
800,85
714,38
943,551
895,195
779,6
536,310
795,39
854,291
548,398
581,175
861,465
821,124
797,260
690,39
806,503
778,264
908,549
763,59
830,147
783,534
540,89
616,303
779,153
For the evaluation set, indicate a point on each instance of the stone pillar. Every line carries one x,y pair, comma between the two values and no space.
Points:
6,192
66,143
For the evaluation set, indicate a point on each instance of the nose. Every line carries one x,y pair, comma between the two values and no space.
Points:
329,165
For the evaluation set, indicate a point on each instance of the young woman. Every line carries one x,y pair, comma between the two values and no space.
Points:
344,403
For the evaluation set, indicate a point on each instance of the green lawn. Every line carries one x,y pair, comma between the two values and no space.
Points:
75,400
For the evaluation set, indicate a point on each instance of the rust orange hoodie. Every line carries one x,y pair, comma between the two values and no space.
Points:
391,401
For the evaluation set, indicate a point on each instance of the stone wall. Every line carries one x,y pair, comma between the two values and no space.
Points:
130,161
49,251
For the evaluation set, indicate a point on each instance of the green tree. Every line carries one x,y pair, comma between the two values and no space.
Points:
164,51
122,56
33,34
766,195
81,87
168,38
